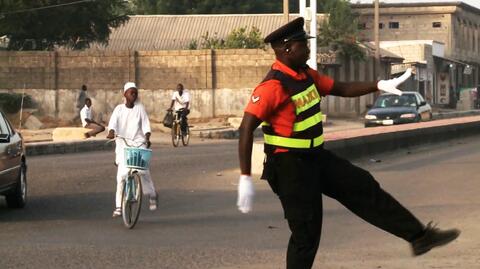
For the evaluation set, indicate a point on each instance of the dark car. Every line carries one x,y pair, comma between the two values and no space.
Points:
391,109
13,165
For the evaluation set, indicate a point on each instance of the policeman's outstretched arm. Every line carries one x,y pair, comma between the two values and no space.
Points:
354,89
246,190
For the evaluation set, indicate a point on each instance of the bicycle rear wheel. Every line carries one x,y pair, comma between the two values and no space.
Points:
175,134
186,136
131,200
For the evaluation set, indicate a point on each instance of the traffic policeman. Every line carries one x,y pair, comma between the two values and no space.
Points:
298,168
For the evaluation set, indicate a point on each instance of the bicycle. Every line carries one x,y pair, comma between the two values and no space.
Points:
177,133
136,159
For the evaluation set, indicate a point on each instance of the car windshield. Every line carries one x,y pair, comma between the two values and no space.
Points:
395,101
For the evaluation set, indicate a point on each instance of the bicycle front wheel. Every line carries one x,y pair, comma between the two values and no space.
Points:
186,136
175,134
131,200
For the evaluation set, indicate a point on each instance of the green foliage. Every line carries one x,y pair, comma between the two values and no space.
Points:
339,33
211,6
240,38
10,103
237,39
211,42
193,45
29,25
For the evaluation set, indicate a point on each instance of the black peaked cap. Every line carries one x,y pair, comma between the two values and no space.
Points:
290,31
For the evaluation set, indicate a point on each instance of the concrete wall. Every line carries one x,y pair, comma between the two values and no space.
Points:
219,82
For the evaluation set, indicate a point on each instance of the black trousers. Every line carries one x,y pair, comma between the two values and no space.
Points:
182,113
300,179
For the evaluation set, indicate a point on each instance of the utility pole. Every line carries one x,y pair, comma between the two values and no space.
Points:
285,11
310,14
313,32
376,30
377,69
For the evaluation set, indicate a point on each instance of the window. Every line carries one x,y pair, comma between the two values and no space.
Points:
362,26
436,24
380,25
394,25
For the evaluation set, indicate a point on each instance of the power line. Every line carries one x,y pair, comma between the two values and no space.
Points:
45,7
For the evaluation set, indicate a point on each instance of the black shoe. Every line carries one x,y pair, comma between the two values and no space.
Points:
433,237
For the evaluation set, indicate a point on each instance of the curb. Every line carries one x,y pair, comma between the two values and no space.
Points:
360,146
45,148
346,147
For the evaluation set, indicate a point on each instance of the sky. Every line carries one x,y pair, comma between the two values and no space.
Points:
474,3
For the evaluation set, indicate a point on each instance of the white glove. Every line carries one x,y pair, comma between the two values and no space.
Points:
246,192
390,85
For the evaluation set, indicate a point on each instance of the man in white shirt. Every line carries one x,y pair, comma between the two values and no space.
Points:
130,121
181,102
87,120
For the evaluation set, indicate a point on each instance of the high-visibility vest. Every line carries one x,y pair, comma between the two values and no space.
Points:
307,133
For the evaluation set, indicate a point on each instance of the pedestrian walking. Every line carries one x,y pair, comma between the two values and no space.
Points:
297,166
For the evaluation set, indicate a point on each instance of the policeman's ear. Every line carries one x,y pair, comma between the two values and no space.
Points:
282,48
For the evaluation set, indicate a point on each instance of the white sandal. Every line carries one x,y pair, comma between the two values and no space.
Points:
117,212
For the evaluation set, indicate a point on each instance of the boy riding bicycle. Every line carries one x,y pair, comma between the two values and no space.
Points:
130,121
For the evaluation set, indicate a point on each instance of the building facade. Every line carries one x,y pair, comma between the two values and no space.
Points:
451,31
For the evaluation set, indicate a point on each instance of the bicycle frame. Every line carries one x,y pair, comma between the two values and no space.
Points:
131,195
177,134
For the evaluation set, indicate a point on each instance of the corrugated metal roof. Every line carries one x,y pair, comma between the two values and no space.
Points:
169,32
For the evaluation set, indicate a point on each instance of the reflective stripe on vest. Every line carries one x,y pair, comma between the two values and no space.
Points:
288,142
307,123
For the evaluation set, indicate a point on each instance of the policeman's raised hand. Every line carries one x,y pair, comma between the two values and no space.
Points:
246,191
391,85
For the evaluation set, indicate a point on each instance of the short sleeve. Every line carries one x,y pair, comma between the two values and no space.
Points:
323,83
145,121
83,113
113,123
173,95
265,99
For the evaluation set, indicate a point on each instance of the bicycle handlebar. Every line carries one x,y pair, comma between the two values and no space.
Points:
125,140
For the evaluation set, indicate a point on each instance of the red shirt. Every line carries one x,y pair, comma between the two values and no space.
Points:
268,95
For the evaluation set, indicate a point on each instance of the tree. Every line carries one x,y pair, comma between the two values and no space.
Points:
75,24
339,32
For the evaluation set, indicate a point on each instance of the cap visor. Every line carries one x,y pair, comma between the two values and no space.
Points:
298,37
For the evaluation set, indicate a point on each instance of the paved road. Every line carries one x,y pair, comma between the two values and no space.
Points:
67,222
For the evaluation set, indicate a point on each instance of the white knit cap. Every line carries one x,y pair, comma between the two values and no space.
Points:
129,85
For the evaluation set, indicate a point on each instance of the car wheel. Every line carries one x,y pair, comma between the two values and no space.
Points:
18,198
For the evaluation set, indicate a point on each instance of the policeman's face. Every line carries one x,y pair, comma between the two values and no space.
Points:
299,52
131,95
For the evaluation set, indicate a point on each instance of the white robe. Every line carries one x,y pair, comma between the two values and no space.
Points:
132,124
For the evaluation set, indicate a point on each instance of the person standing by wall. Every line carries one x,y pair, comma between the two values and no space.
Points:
300,170
82,95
